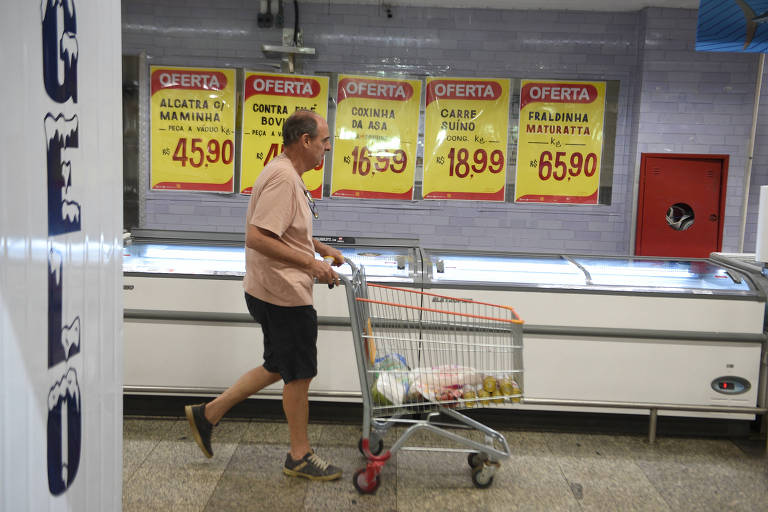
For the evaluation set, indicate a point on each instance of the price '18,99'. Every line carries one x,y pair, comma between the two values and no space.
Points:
460,165
200,153
559,168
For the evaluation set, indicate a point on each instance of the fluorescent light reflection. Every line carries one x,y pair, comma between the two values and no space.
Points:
384,147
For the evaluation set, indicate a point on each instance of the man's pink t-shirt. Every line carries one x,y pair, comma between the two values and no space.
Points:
278,204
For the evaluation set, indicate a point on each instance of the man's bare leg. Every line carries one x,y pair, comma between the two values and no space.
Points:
249,384
296,408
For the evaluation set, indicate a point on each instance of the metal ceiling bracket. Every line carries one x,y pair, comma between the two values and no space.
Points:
288,52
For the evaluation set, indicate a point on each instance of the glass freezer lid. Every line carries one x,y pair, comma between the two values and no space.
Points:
499,269
184,259
587,273
678,275
381,264
742,260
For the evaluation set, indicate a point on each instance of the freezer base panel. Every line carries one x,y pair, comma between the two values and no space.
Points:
169,357
162,354
640,370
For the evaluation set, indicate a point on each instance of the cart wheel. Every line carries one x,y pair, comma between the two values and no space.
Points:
482,476
360,481
375,444
476,459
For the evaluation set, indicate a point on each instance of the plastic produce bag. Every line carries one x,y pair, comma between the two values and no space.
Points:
392,384
441,383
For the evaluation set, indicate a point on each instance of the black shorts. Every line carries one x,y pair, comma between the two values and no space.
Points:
290,338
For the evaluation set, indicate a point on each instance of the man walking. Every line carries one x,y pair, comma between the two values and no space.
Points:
280,270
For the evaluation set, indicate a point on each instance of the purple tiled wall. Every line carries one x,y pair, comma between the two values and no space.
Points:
693,102
671,99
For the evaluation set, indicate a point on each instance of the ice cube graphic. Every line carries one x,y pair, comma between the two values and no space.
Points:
55,292
70,338
64,212
60,49
64,432
70,210
68,45
63,339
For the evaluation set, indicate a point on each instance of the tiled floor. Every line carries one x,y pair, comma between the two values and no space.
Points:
164,470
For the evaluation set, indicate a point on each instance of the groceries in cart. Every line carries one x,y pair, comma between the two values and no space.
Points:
492,390
392,381
445,383
462,386
450,385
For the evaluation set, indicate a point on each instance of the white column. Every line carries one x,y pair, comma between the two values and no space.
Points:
60,256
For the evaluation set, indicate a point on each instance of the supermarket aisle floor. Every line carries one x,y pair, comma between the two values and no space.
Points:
164,470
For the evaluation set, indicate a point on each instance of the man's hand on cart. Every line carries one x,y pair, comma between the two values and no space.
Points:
322,271
333,257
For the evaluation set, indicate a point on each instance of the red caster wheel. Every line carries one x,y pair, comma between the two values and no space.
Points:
361,483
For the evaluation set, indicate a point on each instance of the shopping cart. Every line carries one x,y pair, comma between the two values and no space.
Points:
422,357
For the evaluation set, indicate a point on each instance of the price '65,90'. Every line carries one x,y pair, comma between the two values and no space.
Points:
363,161
200,153
559,169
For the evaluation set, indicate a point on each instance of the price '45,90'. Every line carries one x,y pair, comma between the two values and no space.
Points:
198,154
395,161
460,165
559,169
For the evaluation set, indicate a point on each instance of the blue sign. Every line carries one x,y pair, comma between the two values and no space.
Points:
732,26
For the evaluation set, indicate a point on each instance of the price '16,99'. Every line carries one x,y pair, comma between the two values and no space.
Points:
363,161
559,168
460,165
200,153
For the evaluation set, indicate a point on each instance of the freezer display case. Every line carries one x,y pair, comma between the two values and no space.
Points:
621,330
394,261
757,271
664,293
635,275
743,262
668,276
599,330
386,264
148,258
187,329
447,269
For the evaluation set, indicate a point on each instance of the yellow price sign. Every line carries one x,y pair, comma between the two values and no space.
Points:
560,141
268,100
375,137
192,114
465,138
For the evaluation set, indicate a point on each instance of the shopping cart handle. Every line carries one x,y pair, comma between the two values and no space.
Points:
342,277
351,264
354,268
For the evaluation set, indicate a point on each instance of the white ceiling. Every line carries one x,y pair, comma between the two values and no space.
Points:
573,5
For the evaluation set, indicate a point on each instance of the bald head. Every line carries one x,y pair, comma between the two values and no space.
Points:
299,123
305,140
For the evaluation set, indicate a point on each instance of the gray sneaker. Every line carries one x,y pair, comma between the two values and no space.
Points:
201,427
312,467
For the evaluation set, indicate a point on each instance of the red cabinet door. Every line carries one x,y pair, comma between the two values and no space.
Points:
681,203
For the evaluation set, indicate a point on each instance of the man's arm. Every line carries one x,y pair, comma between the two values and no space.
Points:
269,244
328,251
